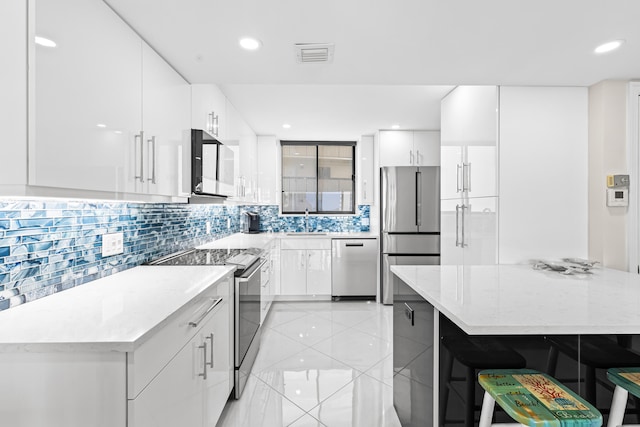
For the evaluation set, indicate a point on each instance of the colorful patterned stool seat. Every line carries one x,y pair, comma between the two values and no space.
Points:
627,380
534,399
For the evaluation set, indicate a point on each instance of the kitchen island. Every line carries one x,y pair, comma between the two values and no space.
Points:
513,303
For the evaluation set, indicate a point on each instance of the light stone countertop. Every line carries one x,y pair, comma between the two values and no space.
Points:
115,313
516,299
262,240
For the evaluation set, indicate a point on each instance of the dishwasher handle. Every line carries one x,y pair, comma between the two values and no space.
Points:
348,245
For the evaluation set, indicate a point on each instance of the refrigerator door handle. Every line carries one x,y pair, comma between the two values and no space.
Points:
418,198
458,167
457,223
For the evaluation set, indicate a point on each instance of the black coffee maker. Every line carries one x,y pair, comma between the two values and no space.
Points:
251,223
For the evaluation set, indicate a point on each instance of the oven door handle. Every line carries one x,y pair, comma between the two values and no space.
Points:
195,323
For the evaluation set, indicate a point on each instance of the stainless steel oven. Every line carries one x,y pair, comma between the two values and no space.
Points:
247,321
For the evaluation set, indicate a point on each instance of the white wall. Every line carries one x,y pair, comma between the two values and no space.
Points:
607,156
543,174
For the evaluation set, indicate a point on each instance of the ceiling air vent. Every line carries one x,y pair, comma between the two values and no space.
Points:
310,53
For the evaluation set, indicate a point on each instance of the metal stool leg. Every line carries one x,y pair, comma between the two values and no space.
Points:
618,406
486,415
470,398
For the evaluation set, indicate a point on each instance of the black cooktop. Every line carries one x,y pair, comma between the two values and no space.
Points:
199,257
242,258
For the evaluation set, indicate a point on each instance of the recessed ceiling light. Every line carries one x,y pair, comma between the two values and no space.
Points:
118,132
250,43
609,46
101,125
45,42
286,126
395,126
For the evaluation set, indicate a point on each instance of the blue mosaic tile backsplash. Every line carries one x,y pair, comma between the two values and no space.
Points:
271,221
47,246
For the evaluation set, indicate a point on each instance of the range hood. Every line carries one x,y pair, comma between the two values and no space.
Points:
212,168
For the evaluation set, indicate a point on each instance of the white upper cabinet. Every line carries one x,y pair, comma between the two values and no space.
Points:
426,145
409,148
268,170
469,134
13,86
165,121
87,95
109,114
396,148
209,110
241,136
364,171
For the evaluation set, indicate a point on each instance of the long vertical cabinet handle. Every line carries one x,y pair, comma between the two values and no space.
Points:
364,190
466,177
210,364
463,244
418,198
138,138
210,122
411,157
216,125
418,157
152,160
203,374
458,167
457,225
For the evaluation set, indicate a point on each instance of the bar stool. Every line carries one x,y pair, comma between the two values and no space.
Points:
474,353
594,352
534,399
626,380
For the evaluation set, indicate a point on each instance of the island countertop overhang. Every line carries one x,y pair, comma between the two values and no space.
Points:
518,300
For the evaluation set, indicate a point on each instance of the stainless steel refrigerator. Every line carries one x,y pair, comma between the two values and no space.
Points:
409,221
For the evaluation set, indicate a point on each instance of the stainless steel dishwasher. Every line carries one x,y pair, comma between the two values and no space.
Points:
354,268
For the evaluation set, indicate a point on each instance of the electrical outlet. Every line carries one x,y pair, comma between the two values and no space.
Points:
208,226
112,244
228,223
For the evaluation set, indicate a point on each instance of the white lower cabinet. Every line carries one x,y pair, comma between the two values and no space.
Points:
318,272
160,383
305,267
293,276
193,387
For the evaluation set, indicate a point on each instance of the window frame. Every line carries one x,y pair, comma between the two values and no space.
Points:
317,144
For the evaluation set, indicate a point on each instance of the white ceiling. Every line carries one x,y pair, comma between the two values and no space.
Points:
382,47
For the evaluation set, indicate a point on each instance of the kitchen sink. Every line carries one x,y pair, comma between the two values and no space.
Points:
306,234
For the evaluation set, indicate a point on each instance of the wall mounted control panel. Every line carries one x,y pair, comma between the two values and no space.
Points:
618,190
617,197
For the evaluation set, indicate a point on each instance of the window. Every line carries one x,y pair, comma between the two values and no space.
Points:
318,176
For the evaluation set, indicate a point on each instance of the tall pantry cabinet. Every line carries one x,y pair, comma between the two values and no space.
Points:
532,204
469,193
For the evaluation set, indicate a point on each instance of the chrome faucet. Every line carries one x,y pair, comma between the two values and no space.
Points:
306,220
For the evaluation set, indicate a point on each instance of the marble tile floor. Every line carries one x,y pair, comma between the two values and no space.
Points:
320,364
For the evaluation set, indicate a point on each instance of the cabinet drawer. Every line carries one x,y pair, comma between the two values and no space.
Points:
147,360
305,243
